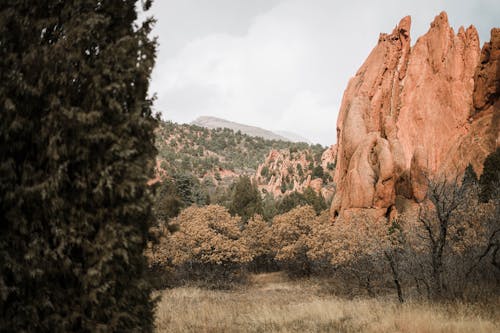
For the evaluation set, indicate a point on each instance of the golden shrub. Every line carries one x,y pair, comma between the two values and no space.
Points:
257,237
291,230
208,235
348,238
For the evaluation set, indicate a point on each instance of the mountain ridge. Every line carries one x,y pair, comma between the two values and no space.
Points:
216,122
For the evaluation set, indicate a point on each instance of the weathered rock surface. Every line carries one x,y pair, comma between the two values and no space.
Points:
284,172
483,134
411,112
329,157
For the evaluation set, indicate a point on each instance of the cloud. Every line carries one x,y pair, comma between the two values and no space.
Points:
288,69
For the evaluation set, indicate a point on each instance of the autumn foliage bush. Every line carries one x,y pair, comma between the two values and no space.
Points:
257,236
290,235
207,247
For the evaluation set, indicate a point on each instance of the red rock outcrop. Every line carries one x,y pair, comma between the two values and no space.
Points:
284,172
483,134
329,157
415,111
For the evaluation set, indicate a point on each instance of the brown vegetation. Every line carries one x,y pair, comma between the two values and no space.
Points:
274,304
439,249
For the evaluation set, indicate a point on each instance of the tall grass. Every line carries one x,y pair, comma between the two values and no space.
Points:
273,304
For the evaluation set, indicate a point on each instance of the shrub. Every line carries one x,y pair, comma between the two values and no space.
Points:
257,236
264,172
290,236
207,246
317,172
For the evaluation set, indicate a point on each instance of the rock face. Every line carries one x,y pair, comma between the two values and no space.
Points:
329,157
284,172
415,111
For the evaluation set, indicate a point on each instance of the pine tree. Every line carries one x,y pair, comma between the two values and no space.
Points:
490,179
245,199
76,150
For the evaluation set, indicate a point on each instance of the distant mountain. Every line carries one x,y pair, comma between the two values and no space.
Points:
294,137
214,122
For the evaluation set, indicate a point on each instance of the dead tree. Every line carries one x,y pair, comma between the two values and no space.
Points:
445,197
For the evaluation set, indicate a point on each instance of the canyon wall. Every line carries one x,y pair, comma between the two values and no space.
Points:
411,112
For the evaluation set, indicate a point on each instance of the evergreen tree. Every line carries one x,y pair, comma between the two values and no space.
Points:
469,180
190,190
76,151
315,200
490,178
168,201
317,172
245,199
295,199
290,201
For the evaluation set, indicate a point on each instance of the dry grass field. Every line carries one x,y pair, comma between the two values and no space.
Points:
272,303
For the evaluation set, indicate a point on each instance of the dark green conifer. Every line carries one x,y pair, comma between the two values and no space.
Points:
245,199
490,178
76,151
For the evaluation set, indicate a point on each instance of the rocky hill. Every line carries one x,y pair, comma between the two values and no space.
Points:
285,171
430,109
215,155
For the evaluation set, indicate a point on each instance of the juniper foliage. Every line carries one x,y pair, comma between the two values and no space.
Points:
76,150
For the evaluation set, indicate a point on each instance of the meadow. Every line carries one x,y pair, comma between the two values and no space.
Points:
271,302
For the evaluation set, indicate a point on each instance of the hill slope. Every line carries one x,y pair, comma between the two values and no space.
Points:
215,153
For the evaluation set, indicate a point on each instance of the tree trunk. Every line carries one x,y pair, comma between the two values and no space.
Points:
395,276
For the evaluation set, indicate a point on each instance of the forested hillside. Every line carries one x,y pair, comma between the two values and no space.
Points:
196,165
202,151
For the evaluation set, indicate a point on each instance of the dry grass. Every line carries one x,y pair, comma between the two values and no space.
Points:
271,303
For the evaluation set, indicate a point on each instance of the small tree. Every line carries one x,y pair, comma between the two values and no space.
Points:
355,246
315,199
168,201
269,209
190,190
317,172
445,198
291,201
454,229
490,178
245,199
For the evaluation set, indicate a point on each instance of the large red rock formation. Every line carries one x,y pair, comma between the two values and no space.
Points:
414,111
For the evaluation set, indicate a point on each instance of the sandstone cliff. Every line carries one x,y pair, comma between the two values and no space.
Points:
412,111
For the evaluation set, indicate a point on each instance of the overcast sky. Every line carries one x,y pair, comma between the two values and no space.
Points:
280,64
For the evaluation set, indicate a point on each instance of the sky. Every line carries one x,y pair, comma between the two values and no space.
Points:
280,64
